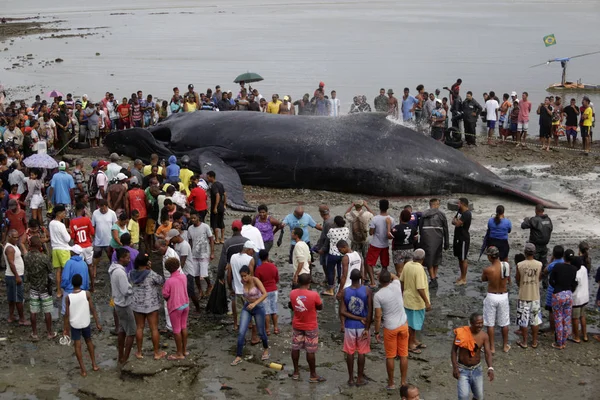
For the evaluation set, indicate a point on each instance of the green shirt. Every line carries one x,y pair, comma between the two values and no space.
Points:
37,269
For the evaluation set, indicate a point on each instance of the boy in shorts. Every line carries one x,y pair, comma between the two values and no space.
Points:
77,319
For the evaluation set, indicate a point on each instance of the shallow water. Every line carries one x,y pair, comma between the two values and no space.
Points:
355,47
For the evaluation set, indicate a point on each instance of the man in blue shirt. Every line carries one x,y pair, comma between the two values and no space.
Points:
61,188
409,104
299,219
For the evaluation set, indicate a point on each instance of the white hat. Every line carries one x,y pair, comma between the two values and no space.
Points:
438,101
249,244
172,233
121,177
77,249
513,94
202,183
62,165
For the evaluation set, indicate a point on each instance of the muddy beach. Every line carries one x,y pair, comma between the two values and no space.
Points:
47,370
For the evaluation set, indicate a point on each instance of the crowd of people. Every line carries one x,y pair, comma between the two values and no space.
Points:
53,124
120,213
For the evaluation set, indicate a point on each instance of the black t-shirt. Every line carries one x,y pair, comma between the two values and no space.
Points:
217,187
253,106
462,232
545,118
404,237
563,277
571,116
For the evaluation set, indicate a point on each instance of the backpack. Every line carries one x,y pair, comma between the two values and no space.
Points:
359,230
93,185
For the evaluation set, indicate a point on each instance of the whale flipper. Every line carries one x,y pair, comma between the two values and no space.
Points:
210,161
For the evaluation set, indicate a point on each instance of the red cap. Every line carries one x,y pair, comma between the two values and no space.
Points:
28,129
102,163
321,84
237,224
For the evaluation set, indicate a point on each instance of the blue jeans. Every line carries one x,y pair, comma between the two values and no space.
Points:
470,379
258,313
333,263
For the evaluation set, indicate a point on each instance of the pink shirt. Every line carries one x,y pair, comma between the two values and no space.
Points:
175,291
524,110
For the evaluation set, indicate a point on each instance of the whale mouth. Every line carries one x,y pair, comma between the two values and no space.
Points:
162,134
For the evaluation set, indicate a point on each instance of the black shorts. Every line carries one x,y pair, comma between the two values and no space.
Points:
585,131
202,215
545,131
76,334
217,220
461,248
191,286
437,132
502,245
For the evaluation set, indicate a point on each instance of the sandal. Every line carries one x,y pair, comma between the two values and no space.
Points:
557,347
574,341
265,357
294,377
359,384
534,345
236,362
52,336
390,388
521,345
416,350
139,356
174,357
318,379
276,331
421,346
34,338
160,356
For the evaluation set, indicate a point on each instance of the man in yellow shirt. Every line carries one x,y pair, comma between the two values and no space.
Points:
185,174
273,106
587,119
415,293
154,161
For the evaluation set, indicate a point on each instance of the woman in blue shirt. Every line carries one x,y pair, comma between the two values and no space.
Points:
498,230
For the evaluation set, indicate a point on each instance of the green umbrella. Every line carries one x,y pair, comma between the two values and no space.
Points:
248,77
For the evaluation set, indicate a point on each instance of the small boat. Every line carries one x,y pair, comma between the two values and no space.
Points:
569,86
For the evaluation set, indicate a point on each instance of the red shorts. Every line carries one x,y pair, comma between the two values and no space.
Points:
353,341
375,253
305,340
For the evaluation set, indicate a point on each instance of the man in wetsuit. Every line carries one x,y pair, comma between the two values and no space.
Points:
466,358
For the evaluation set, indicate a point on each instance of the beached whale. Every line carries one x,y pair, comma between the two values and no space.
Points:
360,153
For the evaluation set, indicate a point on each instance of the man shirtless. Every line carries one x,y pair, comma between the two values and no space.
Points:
466,358
116,194
496,310
286,107
393,109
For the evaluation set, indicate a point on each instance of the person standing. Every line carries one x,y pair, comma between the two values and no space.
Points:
403,244
269,276
392,107
15,270
234,280
545,112
571,112
82,233
302,220
529,311
102,220
438,121
380,228
381,102
59,240
471,111
409,103
335,105
462,238
61,189
498,229
202,243
252,233
75,266
389,307
267,225
359,217
357,311
563,279
433,236
334,259
415,292
37,268
540,231
177,303
466,358
523,119
300,255
323,244
305,304
122,294
218,204
496,309
491,115
581,296
587,120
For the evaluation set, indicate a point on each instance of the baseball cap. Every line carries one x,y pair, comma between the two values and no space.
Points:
493,252
529,249
172,233
249,244
62,165
438,101
286,98
102,163
513,93
114,157
28,129
121,177
237,224
77,249
390,91
94,164
321,84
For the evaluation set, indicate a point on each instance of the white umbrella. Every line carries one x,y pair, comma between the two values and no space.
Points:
40,161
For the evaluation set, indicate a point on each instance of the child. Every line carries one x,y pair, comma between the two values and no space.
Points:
172,170
134,229
165,226
34,198
175,293
16,196
78,306
34,229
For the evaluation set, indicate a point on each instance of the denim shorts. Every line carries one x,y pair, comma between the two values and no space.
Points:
14,292
271,303
470,379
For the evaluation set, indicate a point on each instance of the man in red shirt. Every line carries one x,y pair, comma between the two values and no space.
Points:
82,233
135,199
269,276
198,198
16,220
305,304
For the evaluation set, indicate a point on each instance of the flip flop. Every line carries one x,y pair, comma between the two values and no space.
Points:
173,357
557,347
139,356
586,339
574,341
361,384
390,388
506,351
318,379
276,331
53,336
265,357
534,345
161,356
326,294
34,338
416,350
421,346
236,362
294,377
521,345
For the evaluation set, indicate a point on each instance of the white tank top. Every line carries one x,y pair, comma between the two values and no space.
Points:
19,265
79,310
354,262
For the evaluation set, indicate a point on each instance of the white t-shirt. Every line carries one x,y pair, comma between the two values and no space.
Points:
170,253
334,109
19,263
199,238
103,225
252,233
184,249
380,238
101,181
490,109
301,254
354,262
581,296
389,299
237,261
59,237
